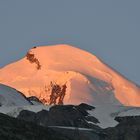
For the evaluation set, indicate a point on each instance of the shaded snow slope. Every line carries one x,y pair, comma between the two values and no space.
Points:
15,110
106,114
11,97
62,74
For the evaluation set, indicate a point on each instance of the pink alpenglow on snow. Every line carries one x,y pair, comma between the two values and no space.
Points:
63,74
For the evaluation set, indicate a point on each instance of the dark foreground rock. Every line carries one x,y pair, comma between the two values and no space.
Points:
77,134
64,122
77,116
34,100
61,115
127,129
14,129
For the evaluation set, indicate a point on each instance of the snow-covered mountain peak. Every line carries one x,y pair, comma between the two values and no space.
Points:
63,74
60,57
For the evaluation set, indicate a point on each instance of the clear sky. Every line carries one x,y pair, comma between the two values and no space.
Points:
109,29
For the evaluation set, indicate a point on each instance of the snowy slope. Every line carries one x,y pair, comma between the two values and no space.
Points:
15,110
107,113
11,97
65,74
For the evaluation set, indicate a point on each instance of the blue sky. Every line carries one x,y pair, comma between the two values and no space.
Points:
107,28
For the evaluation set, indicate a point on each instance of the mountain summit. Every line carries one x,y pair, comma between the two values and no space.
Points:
63,74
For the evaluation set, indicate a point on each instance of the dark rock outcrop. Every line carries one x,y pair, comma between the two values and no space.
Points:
15,129
57,93
77,116
32,59
34,100
127,129
62,115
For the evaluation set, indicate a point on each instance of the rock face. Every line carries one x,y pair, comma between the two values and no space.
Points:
17,129
127,129
57,94
32,59
59,115
14,129
68,120
63,74
34,100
